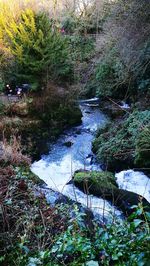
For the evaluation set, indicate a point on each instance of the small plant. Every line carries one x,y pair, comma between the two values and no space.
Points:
12,152
1,108
73,245
125,243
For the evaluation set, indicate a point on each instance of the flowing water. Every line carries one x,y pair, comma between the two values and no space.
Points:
57,168
135,182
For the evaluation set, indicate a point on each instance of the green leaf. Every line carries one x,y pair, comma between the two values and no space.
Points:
91,263
136,222
148,215
115,257
114,241
2,258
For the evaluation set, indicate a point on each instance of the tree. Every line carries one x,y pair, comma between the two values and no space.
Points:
124,67
40,52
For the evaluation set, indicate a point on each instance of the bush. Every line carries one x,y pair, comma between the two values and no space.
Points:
126,143
142,152
81,48
111,75
124,243
123,69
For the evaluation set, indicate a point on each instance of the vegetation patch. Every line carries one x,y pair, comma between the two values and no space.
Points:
49,42
125,144
34,233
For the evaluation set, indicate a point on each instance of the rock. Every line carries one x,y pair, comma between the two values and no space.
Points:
78,132
68,144
103,185
89,155
98,179
87,112
112,109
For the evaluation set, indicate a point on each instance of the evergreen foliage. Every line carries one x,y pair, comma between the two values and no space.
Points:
40,51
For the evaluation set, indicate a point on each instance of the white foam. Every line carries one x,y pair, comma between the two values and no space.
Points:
134,181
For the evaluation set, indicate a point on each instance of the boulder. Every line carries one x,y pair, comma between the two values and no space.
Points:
103,184
68,143
97,179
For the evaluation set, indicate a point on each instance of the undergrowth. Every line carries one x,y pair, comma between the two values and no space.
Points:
34,233
126,142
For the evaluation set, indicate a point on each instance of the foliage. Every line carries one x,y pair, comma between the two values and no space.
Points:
111,75
31,223
123,68
81,48
125,142
1,85
43,235
39,51
143,147
125,243
73,244
86,17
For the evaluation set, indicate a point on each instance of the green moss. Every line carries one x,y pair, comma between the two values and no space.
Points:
100,179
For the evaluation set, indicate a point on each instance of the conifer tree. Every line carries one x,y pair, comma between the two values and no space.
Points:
40,52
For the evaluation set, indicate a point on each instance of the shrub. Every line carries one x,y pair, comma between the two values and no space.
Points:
111,75
123,69
12,153
142,152
124,243
81,48
122,143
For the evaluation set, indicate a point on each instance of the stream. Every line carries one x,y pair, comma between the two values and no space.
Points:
72,151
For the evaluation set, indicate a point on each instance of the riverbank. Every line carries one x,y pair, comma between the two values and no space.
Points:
124,143
58,167
61,233
38,119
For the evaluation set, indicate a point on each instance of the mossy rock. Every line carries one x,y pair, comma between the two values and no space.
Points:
96,179
103,185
